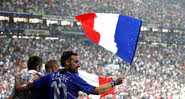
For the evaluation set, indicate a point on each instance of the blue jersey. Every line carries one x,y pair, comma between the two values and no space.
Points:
63,86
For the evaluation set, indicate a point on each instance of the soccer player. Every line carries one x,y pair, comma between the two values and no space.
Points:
51,66
66,83
34,66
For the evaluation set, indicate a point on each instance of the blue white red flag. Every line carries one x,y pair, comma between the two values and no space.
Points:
116,33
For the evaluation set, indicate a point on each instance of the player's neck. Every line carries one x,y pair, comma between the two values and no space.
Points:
64,71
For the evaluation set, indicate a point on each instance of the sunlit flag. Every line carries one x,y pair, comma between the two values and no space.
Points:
116,33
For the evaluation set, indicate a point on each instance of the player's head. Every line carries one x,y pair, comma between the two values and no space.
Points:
34,63
70,61
51,66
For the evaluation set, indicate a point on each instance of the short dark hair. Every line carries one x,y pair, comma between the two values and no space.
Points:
34,62
51,63
66,56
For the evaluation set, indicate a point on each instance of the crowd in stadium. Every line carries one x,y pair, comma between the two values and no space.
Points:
155,70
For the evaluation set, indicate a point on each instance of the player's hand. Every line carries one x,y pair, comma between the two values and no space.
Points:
119,80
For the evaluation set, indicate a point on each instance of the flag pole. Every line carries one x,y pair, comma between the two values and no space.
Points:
128,70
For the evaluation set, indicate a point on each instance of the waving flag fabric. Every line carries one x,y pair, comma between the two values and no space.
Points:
116,33
96,81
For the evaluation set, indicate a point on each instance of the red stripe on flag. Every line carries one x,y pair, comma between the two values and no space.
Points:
103,80
87,21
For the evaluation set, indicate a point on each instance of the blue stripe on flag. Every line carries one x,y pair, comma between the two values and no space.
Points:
126,37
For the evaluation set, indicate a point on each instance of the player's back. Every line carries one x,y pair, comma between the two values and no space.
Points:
63,85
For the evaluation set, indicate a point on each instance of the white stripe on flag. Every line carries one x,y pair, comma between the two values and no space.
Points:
105,24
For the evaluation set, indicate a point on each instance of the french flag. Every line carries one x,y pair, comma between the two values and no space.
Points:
96,81
116,33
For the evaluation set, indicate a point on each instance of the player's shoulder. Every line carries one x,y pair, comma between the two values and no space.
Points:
33,72
74,76
23,76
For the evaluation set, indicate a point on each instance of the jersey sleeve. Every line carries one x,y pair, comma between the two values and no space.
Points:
82,84
42,81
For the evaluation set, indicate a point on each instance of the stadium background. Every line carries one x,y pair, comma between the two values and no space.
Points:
47,28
